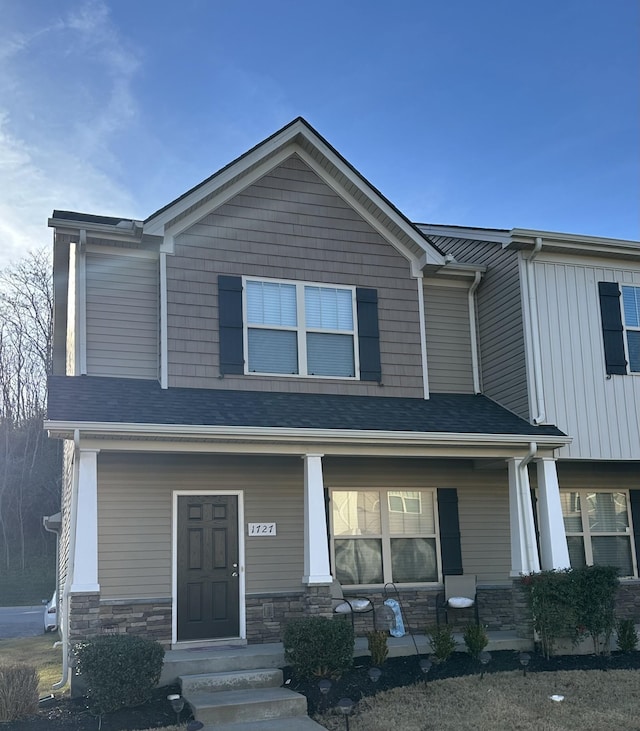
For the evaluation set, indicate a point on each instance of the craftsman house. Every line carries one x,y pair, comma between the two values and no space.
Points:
277,379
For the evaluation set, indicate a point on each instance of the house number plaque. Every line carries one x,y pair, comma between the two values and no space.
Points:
262,529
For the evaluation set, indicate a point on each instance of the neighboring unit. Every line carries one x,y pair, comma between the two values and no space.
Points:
277,379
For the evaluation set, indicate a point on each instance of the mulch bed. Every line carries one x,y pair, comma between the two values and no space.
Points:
73,715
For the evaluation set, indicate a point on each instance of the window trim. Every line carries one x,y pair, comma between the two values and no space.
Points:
301,329
385,536
628,328
586,533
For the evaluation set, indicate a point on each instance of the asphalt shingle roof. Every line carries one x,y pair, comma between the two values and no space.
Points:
122,400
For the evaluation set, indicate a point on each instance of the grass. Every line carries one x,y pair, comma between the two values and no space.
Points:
593,701
38,651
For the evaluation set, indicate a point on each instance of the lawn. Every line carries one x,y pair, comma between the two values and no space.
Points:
38,651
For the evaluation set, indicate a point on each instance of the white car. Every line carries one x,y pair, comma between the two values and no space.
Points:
51,614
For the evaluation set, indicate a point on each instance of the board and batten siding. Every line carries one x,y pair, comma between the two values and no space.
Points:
599,412
135,518
483,502
448,339
288,225
122,315
503,367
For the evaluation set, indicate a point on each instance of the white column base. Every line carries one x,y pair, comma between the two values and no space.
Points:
524,549
553,540
316,537
85,570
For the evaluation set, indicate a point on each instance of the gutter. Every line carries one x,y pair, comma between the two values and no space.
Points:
65,602
535,334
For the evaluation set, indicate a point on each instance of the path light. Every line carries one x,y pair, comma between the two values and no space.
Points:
525,659
485,659
425,666
177,703
324,686
345,707
374,674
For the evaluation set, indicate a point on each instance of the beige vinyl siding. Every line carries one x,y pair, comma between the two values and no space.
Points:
135,518
448,339
288,225
503,367
599,412
483,502
122,316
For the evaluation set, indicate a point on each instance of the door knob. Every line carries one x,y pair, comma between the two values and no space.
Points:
235,573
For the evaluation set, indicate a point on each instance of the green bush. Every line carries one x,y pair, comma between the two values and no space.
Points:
119,671
18,691
377,643
441,641
627,636
319,646
475,638
595,596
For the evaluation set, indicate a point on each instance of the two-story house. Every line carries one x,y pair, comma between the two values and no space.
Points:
276,379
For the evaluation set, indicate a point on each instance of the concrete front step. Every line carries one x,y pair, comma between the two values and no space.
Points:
235,680
256,704
299,723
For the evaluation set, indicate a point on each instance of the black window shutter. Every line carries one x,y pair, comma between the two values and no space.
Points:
612,329
230,319
634,497
449,531
368,334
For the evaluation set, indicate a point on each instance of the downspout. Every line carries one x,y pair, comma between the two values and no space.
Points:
65,603
533,448
535,334
423,336
473,332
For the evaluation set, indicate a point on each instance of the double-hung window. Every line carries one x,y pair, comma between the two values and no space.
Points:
294,328
379,536
598,529
631,309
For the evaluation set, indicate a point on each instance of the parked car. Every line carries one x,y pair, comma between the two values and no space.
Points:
51,614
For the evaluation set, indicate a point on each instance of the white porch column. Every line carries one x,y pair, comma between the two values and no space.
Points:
316,541
554,553
524,550
85,572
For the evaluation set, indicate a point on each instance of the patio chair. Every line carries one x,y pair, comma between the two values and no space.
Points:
350,605
460,594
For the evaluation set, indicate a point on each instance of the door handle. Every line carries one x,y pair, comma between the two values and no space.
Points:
235,573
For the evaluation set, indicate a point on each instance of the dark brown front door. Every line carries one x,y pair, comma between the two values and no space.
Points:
208,574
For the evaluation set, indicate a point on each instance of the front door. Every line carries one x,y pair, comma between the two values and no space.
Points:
207,563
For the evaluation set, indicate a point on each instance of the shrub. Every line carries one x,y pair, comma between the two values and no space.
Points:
319,646
377,642
595,594
18,691
627,636
119,671
475,638
441,641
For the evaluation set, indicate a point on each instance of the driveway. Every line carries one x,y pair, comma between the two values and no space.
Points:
21,622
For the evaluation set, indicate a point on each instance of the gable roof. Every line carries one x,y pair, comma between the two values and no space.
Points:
297,137
94,402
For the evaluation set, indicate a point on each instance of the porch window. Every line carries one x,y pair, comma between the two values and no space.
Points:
598,529
384,535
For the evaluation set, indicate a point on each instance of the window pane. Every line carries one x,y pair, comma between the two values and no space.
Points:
271,303
613,551
607,512
633,343
411,512
631,305
328,308
330,355
414,559
576,551
356,513
273,351
570,502
359,561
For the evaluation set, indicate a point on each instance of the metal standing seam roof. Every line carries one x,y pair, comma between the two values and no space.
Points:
134,401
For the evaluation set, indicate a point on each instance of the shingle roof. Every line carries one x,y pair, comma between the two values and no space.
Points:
133,401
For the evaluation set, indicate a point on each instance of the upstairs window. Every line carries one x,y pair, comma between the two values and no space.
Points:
300,329
631,309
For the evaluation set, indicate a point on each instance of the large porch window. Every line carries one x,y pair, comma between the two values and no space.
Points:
379,536
598,529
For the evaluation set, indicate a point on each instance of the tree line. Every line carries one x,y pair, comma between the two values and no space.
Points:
30,463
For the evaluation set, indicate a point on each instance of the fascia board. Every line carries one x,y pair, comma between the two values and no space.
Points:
281,434
575,243
95,229
462,232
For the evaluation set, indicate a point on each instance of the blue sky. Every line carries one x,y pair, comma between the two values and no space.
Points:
500,113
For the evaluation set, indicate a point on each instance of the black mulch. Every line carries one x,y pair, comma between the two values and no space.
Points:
73,715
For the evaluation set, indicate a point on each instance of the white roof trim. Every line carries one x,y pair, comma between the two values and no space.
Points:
578,243
462,232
